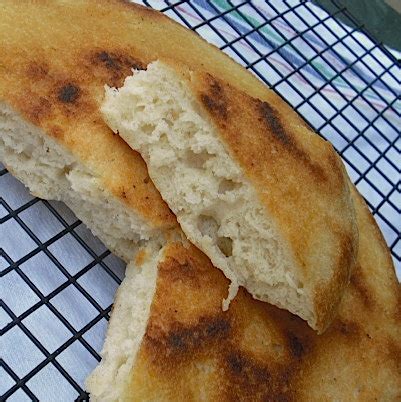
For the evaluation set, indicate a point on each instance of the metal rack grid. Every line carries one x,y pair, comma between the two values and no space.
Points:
339,79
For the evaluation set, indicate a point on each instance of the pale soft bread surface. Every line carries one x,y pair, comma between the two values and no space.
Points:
126,329
284,226
193,351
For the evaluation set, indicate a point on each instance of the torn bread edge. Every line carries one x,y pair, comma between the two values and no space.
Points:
52,172
127,326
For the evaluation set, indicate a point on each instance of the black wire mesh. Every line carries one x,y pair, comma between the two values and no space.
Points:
284,43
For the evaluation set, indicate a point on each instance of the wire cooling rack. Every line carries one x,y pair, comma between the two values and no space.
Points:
58,281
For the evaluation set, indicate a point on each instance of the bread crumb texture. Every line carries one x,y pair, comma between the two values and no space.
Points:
54,173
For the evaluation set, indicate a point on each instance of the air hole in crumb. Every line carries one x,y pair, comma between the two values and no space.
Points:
225,245
195,160
188,129
208,226
148,128
174,115
228,185
168,122
68,168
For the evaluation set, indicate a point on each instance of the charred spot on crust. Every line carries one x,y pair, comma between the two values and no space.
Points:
215,105
215,100
182,339
241,365
178,340
217,327
247,376
112,66
116,62
68,93
108,60
296,347
235,363
215,87
269,115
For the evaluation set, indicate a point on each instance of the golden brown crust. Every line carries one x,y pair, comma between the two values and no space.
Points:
257,352
300,180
